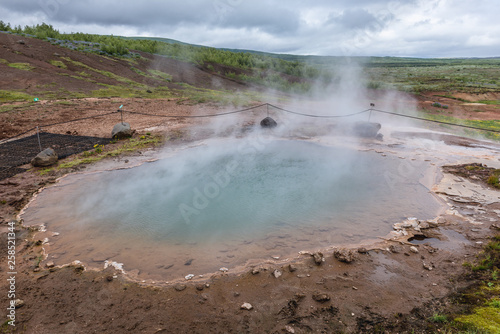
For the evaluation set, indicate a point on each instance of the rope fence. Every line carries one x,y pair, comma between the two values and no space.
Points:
17,152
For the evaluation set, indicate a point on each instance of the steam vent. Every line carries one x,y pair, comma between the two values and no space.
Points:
268,122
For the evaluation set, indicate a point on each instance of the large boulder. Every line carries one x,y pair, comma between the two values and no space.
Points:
268,122
366,129
47,157
121,130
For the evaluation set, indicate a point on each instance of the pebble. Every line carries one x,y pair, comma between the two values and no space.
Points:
246,306
362,250
321,297
18,303
199,287
318,258
189,277
223,269
277,273
427,266
414,249
255,271
292,268
50,264
180,287
289,329
344,255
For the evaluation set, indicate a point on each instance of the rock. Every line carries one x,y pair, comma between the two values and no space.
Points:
427,266
414,249
189,277
18,303
236,294
395,249
255,271
50,264
424,225
344,255
109,278
47,157
180,287
277,273
292,267
318,258
362,250
321,297
121,131
200,287
188,262
289,329
268,122
224,269
22,42
246,306
366,129
204,296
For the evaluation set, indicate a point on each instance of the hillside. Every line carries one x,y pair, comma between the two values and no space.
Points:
38,68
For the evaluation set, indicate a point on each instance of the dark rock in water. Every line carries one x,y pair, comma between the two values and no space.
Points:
47,157
366,129
268,122
121,131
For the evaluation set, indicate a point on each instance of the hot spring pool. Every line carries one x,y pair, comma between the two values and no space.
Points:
225,203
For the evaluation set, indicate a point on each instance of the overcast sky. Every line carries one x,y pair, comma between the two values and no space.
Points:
419,28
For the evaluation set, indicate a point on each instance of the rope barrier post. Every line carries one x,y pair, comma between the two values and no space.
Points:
372,105
121,112
38,135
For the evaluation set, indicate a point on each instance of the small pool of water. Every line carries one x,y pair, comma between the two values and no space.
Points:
225,203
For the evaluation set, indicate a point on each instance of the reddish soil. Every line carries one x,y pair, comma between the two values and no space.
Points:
387,288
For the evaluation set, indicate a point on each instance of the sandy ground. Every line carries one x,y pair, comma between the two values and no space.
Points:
389,285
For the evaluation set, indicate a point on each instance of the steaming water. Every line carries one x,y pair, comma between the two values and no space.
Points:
224,204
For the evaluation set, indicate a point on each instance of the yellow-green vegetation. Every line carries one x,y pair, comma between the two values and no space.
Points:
17,107
493,179
12,96
105,73
127,92
483,124
100,152
21,66
58,63
485,316
163,75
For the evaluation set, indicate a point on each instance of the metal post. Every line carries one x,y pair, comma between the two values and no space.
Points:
370,115
267,105
38,135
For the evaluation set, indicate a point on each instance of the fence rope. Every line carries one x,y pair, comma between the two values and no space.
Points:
267,105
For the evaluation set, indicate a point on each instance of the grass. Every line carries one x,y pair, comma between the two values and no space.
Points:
88,157
483,124
13,96
438,318
58,63
21,66
105,73
163,75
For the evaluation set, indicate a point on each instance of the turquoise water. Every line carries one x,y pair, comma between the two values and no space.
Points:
230,193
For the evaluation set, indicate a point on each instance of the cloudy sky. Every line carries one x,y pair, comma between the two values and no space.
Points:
419,28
